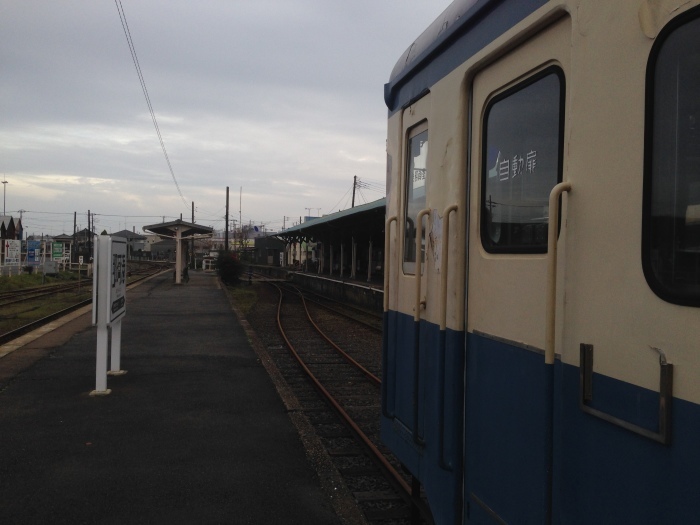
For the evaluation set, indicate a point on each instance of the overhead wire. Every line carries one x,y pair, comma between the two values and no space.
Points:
127,33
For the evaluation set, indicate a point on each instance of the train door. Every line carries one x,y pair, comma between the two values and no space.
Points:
517,144
421,417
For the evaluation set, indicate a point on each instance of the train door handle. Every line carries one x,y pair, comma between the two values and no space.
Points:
419,258
665,398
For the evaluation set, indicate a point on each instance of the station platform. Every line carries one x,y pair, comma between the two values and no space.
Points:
195,432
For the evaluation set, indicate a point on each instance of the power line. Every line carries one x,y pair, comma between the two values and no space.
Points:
127,33
336,204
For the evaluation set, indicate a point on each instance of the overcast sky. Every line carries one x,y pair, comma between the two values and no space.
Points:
283,98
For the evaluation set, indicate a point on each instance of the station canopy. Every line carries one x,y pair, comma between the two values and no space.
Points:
185,230
363,223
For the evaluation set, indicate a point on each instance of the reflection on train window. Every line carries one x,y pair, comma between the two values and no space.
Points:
522,160
416,180
672,180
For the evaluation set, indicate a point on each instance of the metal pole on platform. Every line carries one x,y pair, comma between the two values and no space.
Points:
178,255
353,263
116,349
369,262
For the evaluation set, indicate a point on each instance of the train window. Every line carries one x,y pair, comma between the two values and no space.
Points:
416,180
671,222
522,162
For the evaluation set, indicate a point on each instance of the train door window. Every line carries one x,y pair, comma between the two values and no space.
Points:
671,230
522,162
416,181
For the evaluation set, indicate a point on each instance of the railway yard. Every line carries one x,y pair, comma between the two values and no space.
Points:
187,418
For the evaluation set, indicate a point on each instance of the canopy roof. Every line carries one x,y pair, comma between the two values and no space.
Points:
362,222
186,229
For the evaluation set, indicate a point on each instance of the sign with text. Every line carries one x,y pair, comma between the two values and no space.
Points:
33,253
108,306
109,279
118,279
56,251
13,250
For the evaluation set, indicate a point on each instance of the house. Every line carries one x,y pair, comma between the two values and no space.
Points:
10,228
135,243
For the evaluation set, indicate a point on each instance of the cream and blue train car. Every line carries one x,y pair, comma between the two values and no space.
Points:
542,279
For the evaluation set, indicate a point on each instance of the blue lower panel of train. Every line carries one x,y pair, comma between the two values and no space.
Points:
606,474
505,448
422,407
498,466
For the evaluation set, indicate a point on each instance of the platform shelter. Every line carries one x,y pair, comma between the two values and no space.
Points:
182,232
348,243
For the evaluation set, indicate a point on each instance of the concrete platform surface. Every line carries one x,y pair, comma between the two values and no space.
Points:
194,433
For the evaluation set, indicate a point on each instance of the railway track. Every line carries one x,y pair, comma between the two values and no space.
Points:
332,362
34,298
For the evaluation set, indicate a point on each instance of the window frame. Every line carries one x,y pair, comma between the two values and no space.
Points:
409,267
491,102
659,288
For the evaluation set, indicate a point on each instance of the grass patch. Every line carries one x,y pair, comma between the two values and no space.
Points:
30,280
17,315
244,295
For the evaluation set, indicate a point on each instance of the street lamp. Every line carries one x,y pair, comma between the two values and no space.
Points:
4,187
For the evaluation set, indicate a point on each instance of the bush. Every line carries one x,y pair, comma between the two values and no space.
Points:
229,267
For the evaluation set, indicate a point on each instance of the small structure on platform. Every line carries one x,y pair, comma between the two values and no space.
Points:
180,231
268,250
108,307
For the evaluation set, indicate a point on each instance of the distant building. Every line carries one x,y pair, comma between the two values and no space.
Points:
10,228
163,250
135,242
268,251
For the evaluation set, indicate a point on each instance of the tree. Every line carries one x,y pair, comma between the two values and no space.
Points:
229,267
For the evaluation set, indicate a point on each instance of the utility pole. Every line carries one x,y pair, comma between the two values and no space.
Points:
20,234
192,242
354,185
226,237
240,221
4,187
74,245
88,241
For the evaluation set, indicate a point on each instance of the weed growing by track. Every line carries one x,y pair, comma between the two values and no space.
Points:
244,295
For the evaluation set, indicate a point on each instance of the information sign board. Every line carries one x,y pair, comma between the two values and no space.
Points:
56,251
33,253
108,305
118,279
13,250
109,288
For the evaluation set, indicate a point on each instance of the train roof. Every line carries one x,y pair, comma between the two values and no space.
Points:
462,29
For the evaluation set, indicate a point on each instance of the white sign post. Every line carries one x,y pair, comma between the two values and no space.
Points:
108,306
13,251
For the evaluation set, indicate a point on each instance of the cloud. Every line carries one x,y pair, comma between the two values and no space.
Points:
281,97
